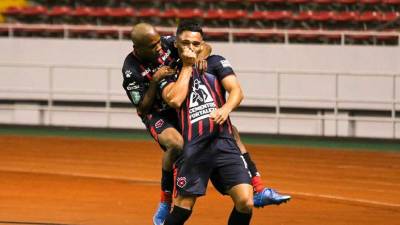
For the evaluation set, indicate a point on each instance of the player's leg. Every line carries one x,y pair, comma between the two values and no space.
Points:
255,175
242,196
165,133
193,169
262,196
181,211
232,177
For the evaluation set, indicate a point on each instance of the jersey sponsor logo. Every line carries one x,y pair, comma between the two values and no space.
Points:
128,73
201,102
181,182
132,86
159,123
225,63
135,95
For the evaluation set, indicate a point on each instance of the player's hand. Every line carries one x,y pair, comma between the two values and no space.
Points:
219,116
188,57
202,65
163,72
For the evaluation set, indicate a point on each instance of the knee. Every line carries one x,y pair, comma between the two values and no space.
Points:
244,205
174,144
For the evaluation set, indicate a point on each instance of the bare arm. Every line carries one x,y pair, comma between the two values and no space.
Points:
148,98
174,94
232,86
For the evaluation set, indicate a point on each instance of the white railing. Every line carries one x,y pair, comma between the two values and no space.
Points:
66,29
109,94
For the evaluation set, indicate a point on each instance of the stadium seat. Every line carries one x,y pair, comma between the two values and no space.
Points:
12,14
122,16
169,17
107,33
322,5
242,36
299,5
323,19
145,4
388,20
331,38
33,14
270,37
37,31
392,5
387,40
233,18
80,15
216,36
345,5
101,15
369,19
212,17
279,19
4,32
59,14
258,19
360,39
302,19
149,15
304,38
258,5
345,20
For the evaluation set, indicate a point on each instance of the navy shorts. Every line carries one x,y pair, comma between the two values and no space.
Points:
157,122
215,158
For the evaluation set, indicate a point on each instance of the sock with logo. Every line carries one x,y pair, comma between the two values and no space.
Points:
167,186
256,181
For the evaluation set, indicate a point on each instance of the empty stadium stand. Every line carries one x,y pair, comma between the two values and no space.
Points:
315,16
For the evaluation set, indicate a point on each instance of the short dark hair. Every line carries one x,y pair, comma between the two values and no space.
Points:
188,25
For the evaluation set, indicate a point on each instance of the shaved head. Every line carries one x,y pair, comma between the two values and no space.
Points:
142,33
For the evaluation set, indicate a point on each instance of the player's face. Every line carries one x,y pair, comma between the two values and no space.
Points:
150,50
191,40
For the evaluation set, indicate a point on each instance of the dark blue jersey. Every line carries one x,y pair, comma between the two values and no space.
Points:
205,94
137,74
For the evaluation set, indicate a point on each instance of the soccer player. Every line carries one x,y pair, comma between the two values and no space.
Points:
210,150
153,58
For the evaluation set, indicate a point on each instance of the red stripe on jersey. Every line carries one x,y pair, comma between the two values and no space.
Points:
214,98
200,127
218,88
154,133
209,88
147,74
182,120
188,120
160,61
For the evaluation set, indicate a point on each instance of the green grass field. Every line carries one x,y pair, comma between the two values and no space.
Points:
301,141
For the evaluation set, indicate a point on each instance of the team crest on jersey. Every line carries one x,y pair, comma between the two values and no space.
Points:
128,73
181,182
159,123
201,102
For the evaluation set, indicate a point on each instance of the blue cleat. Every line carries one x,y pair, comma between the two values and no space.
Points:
162,213
269,196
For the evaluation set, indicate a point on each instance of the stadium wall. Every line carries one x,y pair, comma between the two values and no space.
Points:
290,89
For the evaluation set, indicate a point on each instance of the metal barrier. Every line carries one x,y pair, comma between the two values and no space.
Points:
121,30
